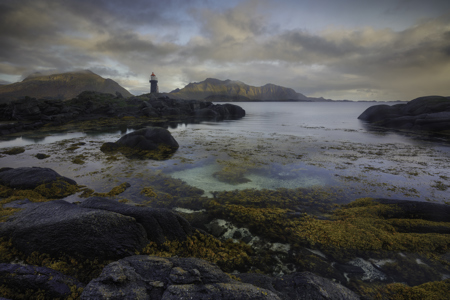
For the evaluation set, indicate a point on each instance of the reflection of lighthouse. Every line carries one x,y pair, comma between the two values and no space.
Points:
154,84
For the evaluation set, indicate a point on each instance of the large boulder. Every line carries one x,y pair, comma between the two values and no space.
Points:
42,281
430,113
150,142
160,224
301,285
30,177
408,209
151,277
59,227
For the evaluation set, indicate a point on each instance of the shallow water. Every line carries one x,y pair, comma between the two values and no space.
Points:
277,145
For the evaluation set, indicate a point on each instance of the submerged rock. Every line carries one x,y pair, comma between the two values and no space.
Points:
30,177
151,277
151,142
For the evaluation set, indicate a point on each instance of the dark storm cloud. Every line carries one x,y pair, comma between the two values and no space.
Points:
192,40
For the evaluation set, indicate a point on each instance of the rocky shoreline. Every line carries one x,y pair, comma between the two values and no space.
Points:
431,113
155,237
31,114
100,248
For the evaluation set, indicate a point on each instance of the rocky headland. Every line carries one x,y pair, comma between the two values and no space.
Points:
31,113
431,113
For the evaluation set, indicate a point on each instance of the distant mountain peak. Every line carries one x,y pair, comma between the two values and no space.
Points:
212,88
60,85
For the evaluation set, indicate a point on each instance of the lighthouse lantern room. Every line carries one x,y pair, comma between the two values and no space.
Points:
154,84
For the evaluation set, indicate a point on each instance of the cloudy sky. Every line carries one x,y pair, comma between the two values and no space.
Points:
338,49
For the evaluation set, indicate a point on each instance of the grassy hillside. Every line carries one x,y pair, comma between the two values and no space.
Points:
60,86
213,88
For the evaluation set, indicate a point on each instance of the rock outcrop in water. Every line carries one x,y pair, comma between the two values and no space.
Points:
31,113
150,142
431,113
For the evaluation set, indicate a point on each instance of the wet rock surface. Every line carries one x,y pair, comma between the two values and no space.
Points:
431,113
59,227
159,224
154,142
30,177
301,285
49,283
407,209
150,277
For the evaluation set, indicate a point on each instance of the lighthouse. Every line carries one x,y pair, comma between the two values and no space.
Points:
154,84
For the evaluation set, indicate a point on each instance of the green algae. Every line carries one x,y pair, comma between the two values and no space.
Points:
113,192
436,290
84,270
228,255
14,151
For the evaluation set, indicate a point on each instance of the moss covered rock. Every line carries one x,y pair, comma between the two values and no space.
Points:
151,142
30,177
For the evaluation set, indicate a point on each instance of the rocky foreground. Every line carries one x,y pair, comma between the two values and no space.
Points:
101,231
31,114
100,248
430,113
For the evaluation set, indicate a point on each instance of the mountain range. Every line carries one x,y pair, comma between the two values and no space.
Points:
68,85
217,90
62,86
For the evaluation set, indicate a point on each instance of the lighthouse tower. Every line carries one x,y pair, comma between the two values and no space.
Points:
154,84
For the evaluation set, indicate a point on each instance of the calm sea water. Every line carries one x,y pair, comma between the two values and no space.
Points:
276,145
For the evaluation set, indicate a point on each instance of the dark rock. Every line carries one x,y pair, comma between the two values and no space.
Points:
90,105
160,224
349,268
431,113
30,178
52,284
150,138
151,277
23,203
207,113
150,142
407,209
25,109
229,110
58,227
304,285
42,156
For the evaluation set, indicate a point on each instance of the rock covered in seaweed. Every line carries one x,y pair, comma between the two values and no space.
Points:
43,282
30,177
150,142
